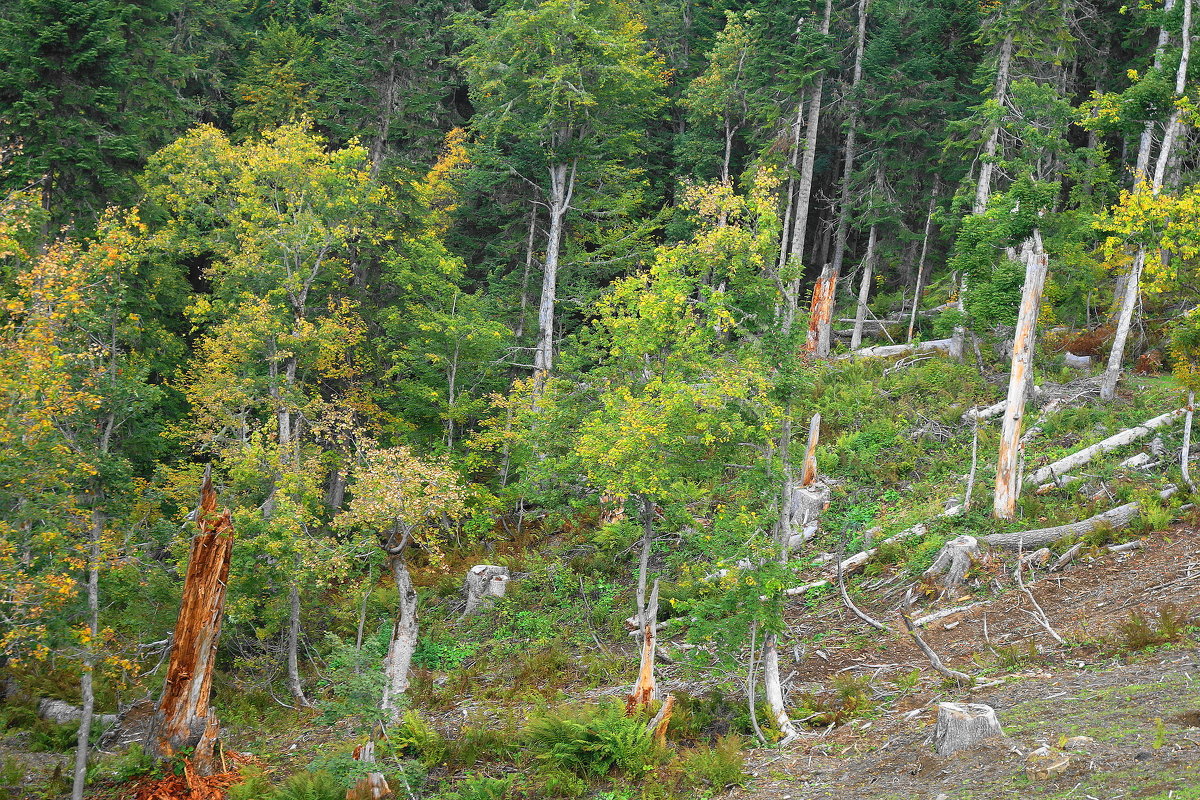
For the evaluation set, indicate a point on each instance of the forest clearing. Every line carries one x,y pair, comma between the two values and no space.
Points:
598,399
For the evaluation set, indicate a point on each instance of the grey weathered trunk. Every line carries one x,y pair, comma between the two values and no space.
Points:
1007,479
295,685
404,640
1185,455
562,186
987,165
864,289
916,304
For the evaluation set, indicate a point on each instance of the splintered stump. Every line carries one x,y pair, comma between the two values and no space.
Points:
183,719
645,690
373,785
483,585
963,725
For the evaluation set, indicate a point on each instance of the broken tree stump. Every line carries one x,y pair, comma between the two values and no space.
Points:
373,785
483,585
953,562
646,689
963,725
183,719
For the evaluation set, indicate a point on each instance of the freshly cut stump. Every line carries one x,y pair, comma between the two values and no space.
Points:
963,725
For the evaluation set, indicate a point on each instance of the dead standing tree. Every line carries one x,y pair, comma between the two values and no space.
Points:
1008,482
183,719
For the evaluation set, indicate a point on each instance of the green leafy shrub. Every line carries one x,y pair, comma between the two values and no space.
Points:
46,737
1140,631
12,776
848,697
353,682
481,744
592,740
479,787
719,766
416,738
122,766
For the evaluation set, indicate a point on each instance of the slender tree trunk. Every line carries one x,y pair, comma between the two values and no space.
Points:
530,239
1008,482
1185,455
387,107
404,639
791,293
86,689
864,289
987,164
1141,171
785,237
562,185
183,719
773,689
295,685
916,304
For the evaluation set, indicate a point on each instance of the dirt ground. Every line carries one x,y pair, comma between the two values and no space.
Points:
1139,712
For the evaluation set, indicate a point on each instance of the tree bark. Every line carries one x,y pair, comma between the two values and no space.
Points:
404,639
295,685
912,319
645,691
86,688
820,336
562,186
791,293
864,289
773,688
963,725
183,718
1186,453
1008,486
987,165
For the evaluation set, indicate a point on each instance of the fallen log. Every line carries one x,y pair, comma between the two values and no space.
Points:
1114,518
890,350
984,412
58,712
1081,457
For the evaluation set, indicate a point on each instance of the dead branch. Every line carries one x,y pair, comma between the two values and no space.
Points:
850,603
934,661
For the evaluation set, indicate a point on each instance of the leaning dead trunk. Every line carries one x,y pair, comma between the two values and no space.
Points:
773,689
1185,455
864,289
1007,481
183,719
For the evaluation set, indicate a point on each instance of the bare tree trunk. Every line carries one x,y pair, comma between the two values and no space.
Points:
864,289
823,339
785,237
562,186
644,692
1186,453
295,685
519,331
183,718
86,688
404,639
987,165
791,293
773,689
916,305
1007,481
1142,166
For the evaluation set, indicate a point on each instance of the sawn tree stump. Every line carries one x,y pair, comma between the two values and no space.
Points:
963,725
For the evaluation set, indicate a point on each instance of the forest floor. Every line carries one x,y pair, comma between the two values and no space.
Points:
1138,709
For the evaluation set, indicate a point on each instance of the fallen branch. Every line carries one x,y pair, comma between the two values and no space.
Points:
1040,614
1081,457
934,661
841,583
921,622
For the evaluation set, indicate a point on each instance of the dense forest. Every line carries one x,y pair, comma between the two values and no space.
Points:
492,324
